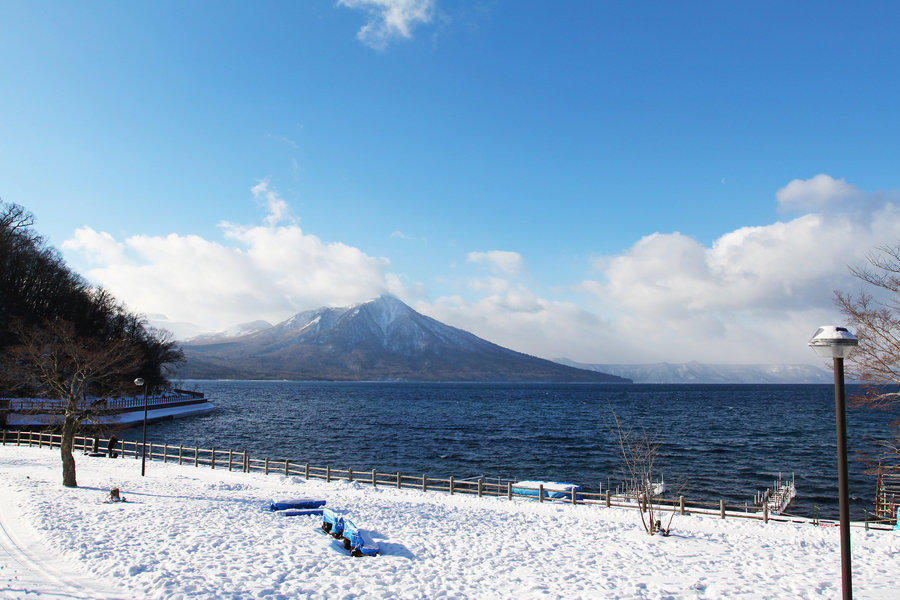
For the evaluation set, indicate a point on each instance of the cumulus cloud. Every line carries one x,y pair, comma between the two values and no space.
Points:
756,292
499,261
754,295
825,194
100,247
256,272
390,19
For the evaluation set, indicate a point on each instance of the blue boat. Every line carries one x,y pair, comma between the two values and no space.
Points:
551,489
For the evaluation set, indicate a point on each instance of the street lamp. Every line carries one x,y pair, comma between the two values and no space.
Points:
837,343
140,383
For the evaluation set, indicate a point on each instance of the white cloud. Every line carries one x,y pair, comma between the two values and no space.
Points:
817,193
499,261
277,208
258,272
390,19
755,295
100,247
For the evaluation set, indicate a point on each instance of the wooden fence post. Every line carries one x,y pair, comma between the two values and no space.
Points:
681,504
328,474
287,470
196,456
180,453
399,480
608,502
722,508
230,458
246,462
574,497
424,482
374,478
540,492
350,474
267,465
480,487
765,512
212,459
306,472
509,490
451,485
166,453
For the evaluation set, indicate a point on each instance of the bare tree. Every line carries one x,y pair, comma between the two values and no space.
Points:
874,315
54,361
639,452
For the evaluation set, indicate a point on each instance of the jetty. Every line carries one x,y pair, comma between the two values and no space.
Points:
127,411
777,498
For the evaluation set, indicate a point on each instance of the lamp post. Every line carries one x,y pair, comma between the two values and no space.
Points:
140,383
837,343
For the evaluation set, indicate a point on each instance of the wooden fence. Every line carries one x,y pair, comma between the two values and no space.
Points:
234,460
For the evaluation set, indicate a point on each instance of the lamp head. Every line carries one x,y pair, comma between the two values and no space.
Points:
139,381
831,341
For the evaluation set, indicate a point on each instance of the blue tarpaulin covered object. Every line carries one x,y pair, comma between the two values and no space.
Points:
296,504
552,489
361,544
357,541
332,523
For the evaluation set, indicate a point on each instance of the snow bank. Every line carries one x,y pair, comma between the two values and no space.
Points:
187,532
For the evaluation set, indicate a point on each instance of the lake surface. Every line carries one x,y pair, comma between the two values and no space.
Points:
720,441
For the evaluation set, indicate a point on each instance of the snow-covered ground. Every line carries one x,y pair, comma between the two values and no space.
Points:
187,532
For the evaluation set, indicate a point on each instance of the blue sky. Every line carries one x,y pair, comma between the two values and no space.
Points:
605,181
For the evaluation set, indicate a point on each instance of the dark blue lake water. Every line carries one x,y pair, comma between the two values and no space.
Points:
723,441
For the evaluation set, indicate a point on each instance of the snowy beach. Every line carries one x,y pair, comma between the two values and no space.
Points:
194,533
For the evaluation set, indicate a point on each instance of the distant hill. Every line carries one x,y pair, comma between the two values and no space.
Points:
380,340
694,372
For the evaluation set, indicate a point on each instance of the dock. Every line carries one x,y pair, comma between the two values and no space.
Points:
777,498
126,411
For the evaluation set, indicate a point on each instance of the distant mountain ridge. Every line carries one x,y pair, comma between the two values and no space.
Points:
694,372
382,339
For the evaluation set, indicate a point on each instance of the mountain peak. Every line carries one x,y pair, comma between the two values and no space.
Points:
380,339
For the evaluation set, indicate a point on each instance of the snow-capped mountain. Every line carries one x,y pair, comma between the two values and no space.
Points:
382,339
234,332
694,372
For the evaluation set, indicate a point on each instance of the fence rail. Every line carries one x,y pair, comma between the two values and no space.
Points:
111,404
240,460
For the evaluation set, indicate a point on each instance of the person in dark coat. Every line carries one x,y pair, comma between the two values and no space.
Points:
111,446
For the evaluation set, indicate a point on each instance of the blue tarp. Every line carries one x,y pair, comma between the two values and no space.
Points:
332,523
361,544
297,503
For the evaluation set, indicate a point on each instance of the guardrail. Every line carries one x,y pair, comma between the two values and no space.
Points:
110,404
240,460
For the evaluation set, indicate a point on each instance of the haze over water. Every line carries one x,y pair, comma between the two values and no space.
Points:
723,441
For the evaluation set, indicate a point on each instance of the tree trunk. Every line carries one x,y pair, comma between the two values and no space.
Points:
65,451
